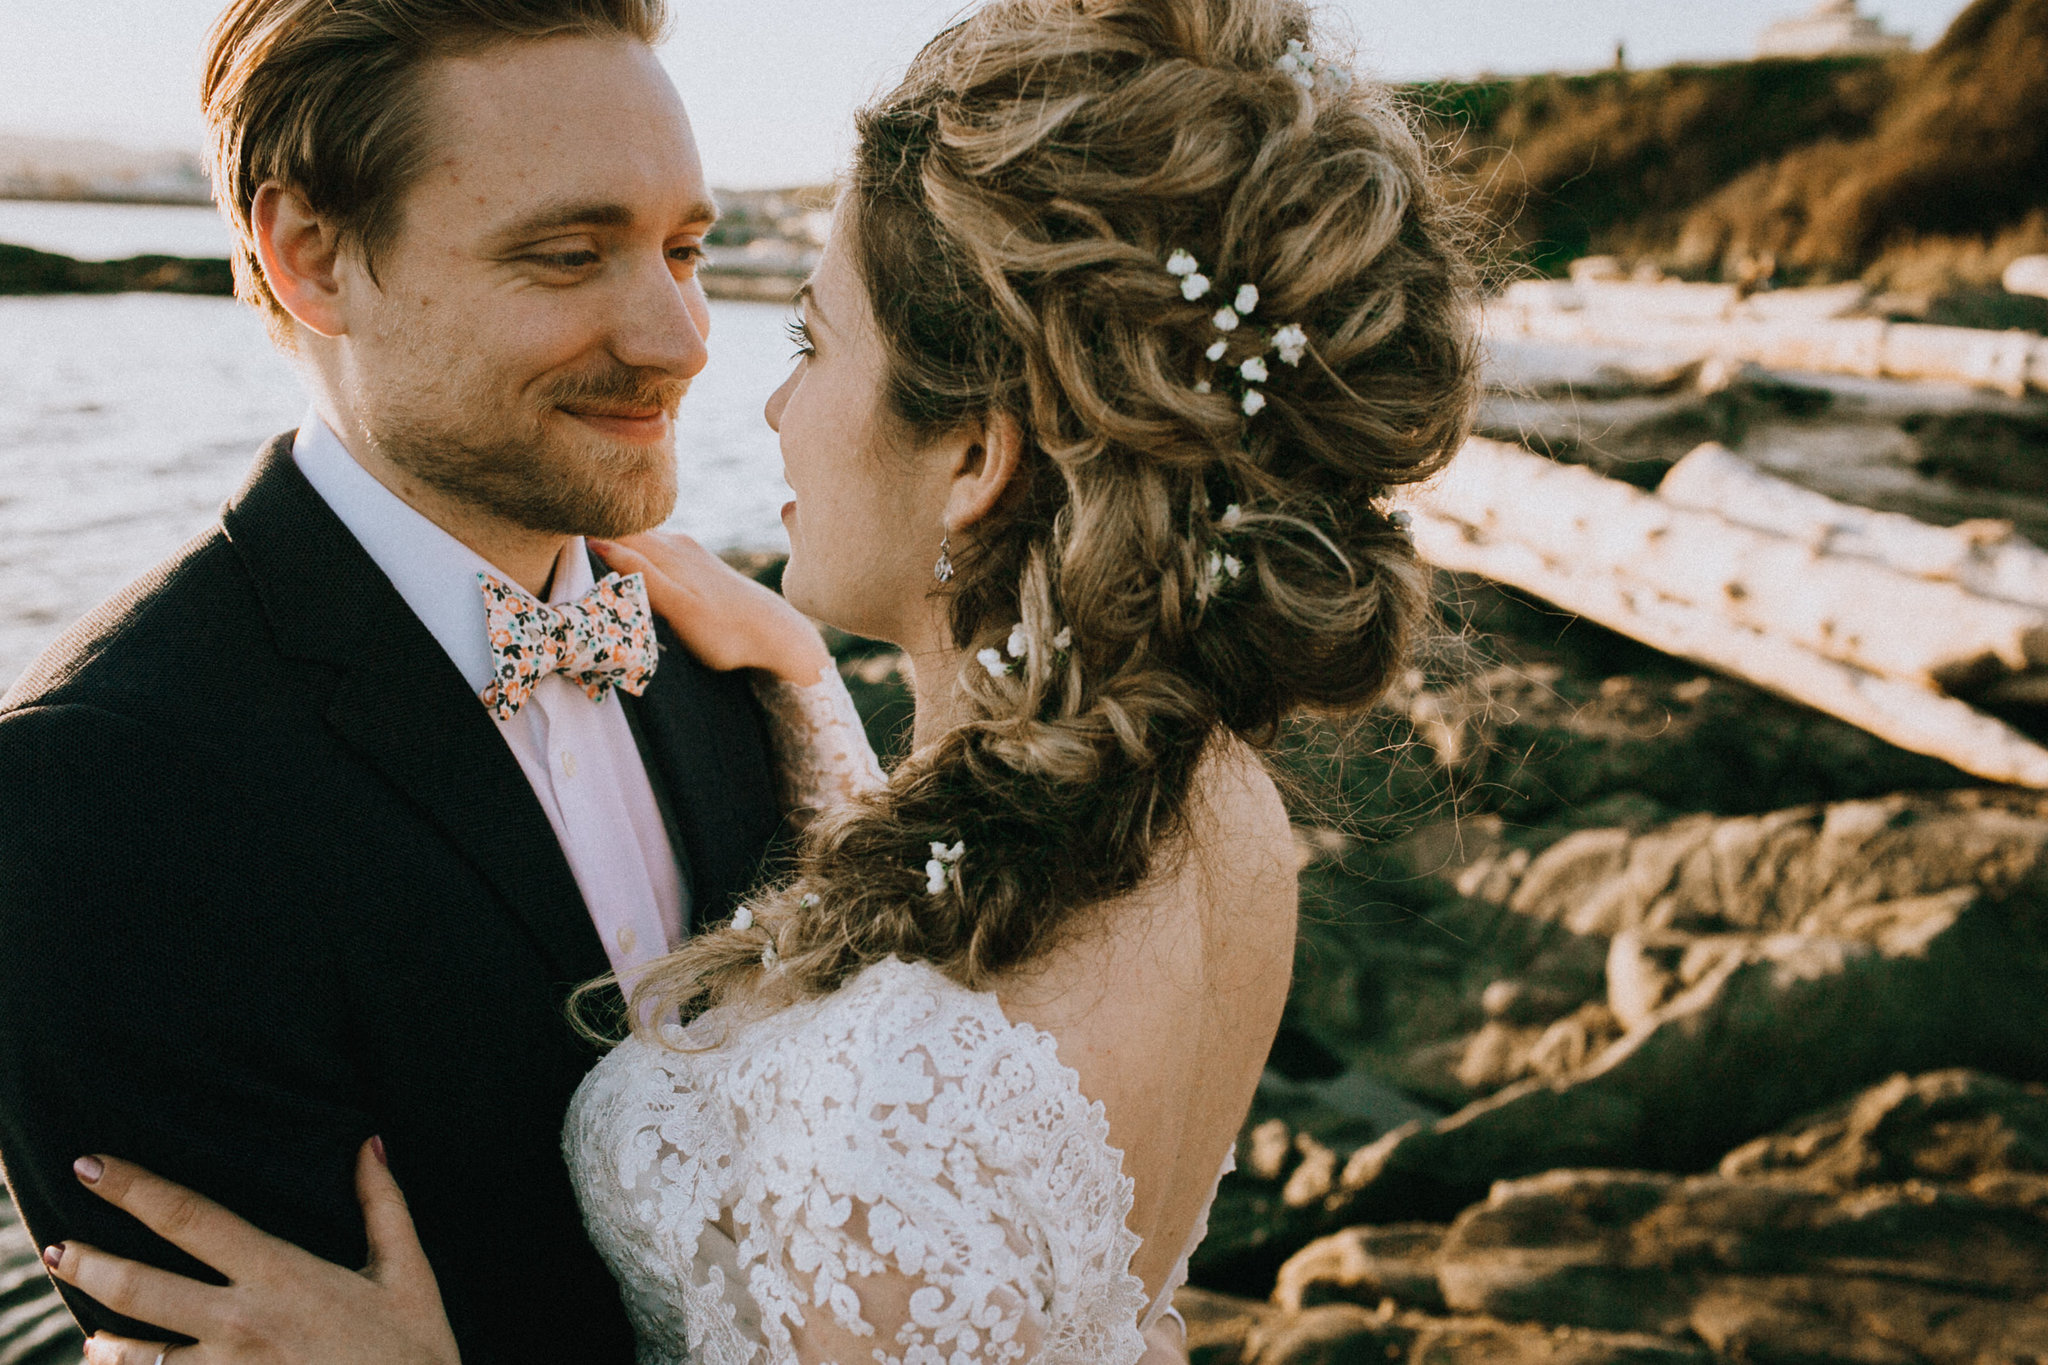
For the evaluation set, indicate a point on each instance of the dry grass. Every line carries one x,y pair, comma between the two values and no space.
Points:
1918,172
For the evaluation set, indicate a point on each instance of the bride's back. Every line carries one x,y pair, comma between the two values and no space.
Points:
1167,1008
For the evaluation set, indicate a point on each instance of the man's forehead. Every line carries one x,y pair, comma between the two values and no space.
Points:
569,131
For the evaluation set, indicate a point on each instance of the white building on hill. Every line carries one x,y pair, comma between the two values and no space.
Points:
1834,29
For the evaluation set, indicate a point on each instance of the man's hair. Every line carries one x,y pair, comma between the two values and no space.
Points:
325,97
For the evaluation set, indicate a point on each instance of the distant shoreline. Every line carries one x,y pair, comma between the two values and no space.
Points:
26,271
185,201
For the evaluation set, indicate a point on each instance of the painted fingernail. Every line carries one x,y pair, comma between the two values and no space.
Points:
53,1256
89,1169
377,1146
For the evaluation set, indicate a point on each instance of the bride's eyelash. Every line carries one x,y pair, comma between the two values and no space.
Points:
800,337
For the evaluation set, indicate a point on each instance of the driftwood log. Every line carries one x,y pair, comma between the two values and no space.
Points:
1850,636
1712,321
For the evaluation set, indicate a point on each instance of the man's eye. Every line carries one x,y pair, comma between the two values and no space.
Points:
565,260
687,255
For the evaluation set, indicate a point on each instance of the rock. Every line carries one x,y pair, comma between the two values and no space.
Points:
1268,1151
1335,1334
1856,1320
1364,1265
1767,964
2027,275
1218,1324
1483,1342
1959,1126
1908,1225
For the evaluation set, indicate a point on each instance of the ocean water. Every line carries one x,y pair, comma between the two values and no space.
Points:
126,420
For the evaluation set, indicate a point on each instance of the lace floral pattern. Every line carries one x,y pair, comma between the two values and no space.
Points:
821,748
893,1173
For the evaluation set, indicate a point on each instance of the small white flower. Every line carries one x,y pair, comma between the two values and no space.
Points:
1217,351
1233,516
1254,370
1233,566
1291,342
1254,402
1338,77
940,869
1288,62
1019,643
1247,298
769,957
1193,287
1225,320
1203,386
1305,77
1215,569
1065,639
992,660
809,902
743,918
1182,263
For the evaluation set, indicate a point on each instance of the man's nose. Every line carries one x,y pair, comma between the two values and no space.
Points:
658,329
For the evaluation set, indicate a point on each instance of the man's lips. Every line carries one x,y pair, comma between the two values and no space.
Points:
629,423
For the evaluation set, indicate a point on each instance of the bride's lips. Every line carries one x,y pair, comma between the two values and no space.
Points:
639,425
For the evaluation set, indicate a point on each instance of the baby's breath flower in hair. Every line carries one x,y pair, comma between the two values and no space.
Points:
1182,263
743,918
810,901
992,660
1254,402
1233,516
1247,300
1223,570
944,867
1292,343
1254,370
1019,644
1226,320
1218,351
1065,639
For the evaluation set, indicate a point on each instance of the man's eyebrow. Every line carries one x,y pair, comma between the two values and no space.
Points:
590,213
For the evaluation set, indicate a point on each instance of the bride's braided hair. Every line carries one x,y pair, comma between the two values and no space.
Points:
1015,201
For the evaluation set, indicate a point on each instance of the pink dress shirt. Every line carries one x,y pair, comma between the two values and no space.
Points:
578,755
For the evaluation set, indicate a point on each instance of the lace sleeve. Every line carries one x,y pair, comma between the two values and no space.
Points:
821,748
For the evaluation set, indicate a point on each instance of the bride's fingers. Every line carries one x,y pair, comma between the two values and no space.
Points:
138,1291
668,589
102,1348
191,1222
396,1257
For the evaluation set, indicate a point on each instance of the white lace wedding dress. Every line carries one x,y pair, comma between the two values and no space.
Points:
896,1164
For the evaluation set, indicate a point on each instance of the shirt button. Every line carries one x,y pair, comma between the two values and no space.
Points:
568,764
628,940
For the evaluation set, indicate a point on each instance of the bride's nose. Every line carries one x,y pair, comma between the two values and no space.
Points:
779,400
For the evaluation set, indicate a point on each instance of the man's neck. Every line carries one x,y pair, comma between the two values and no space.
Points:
525,556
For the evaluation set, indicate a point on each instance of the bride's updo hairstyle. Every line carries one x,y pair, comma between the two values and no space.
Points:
1016,203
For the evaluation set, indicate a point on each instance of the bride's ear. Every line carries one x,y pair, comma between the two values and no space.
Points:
983,469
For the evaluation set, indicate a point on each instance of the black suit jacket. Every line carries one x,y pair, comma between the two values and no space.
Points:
271,881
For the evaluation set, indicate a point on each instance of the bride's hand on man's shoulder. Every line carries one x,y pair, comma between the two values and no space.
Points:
724,617
281,1305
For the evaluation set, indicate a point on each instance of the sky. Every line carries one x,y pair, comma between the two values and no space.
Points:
772,84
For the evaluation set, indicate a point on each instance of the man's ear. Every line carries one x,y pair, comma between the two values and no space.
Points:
984,469
301,258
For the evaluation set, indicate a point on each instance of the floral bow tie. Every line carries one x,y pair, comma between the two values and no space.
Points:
604,639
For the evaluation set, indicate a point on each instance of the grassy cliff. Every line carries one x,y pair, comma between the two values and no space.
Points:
1924,171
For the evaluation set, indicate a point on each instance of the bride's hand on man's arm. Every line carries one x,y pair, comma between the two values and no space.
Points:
724,617
281,1305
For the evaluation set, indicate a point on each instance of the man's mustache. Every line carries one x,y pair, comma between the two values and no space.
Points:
621,386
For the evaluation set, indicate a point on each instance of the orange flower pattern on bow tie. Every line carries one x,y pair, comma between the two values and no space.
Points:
604,639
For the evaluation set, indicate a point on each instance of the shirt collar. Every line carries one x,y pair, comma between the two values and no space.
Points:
434,572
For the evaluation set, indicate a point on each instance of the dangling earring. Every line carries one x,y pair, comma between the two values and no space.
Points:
943,570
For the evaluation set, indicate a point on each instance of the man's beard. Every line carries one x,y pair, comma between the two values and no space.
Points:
524,474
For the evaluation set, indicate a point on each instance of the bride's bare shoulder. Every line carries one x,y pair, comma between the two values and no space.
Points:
1238,828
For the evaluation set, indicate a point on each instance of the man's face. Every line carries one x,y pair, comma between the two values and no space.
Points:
537,318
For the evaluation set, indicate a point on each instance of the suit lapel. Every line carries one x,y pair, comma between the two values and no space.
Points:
401,703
